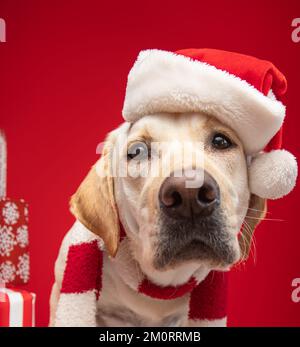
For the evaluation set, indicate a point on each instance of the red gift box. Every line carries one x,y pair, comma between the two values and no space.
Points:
14,255
17,308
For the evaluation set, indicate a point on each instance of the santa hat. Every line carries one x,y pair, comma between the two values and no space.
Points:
241,91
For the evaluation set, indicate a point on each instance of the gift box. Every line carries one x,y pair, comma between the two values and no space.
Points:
17,308
14,255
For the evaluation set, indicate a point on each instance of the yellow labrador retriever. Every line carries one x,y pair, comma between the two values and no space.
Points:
180,186
189,218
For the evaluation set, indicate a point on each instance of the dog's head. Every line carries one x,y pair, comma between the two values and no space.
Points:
179,185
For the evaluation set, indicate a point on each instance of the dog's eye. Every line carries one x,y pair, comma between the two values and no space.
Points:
220,141
138,151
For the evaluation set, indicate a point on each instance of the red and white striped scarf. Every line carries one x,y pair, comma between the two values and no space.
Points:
83,274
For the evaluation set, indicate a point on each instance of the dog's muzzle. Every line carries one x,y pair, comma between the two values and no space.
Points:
192,223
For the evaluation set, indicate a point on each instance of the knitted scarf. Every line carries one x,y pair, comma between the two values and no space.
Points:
82,283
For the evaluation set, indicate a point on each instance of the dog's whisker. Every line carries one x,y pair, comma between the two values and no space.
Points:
267,219
247,239
251,240
254,209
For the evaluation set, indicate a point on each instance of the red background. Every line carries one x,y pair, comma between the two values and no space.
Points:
63,73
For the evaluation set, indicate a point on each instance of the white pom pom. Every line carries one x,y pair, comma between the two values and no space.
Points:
273,175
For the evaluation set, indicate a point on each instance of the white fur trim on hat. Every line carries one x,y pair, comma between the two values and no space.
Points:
273,175
162,81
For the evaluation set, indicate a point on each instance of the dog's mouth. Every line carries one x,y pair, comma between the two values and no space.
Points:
197,250
207,241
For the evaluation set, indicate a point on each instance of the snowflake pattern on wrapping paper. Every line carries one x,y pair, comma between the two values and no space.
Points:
7,272
23,267
10,213
14,241
22,236
7,241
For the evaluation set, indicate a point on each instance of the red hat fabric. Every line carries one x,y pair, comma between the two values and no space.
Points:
261,74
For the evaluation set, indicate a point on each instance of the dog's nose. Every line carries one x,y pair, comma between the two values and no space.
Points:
179,199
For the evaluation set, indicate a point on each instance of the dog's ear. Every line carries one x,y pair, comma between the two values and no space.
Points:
94,205
256,212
